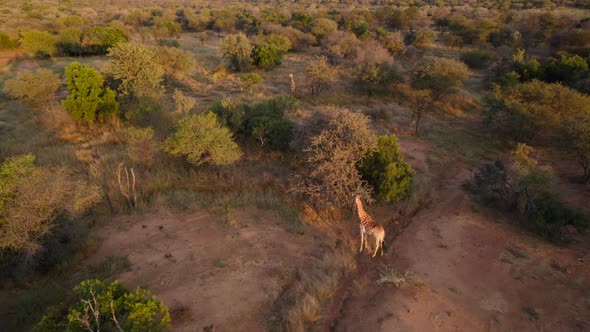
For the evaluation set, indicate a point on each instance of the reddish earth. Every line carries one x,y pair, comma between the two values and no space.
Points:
208,272
477,274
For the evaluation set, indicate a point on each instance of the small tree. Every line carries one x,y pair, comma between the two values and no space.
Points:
250,80
281,42
420,103
183,103
202,139
138,69
32,198
267,55
175,62
142,145
88,99
439,75
576,141
35,87
331,174
266,122
386,170
108,307
320,74
39,43
323,26
236,50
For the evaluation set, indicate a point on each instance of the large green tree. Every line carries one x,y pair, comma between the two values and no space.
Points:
201,138
138,69
237,51
88,99
101,306
440,76
386,170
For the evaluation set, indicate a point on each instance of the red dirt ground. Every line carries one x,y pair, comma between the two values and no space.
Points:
207,272
477,274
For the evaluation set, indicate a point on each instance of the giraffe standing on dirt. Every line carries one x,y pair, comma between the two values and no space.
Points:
369,228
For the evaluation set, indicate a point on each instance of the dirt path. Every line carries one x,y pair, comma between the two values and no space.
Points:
209,273
477,275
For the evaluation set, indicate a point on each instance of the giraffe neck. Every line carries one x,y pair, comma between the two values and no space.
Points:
363,215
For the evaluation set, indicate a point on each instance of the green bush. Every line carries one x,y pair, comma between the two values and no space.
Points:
250,80
525,188
236,50
267,55
478,59
6,42
202,139
39,43
88,99
108,307
386,170
231,113
266,123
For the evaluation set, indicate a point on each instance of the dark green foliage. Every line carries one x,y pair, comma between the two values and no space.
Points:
525,189
116,307
478,59
88,99
387,172
266,122
547,215
491,184
231,113
569,69
267,55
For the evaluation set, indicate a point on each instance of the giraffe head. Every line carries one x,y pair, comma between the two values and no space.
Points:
357,199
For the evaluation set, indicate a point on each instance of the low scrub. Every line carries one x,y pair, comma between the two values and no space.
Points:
524,188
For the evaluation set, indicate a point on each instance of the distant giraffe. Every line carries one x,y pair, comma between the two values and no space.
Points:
293,88
369,228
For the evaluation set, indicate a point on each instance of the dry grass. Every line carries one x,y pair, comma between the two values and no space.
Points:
301,306
399,280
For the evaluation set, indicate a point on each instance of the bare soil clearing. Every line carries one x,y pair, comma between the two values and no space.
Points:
208,272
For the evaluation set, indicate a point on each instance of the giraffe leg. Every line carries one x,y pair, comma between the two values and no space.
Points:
362,241
377,243
382,246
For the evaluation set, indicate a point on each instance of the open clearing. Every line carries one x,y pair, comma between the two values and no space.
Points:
474,273
208,272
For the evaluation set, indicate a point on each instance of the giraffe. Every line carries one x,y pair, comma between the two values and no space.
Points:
369,227
293,88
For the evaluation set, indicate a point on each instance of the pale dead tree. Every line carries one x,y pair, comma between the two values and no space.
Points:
115,317
127,185
259,133
84,320
183,103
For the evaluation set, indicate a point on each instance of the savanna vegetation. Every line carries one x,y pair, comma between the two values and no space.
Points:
116,109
